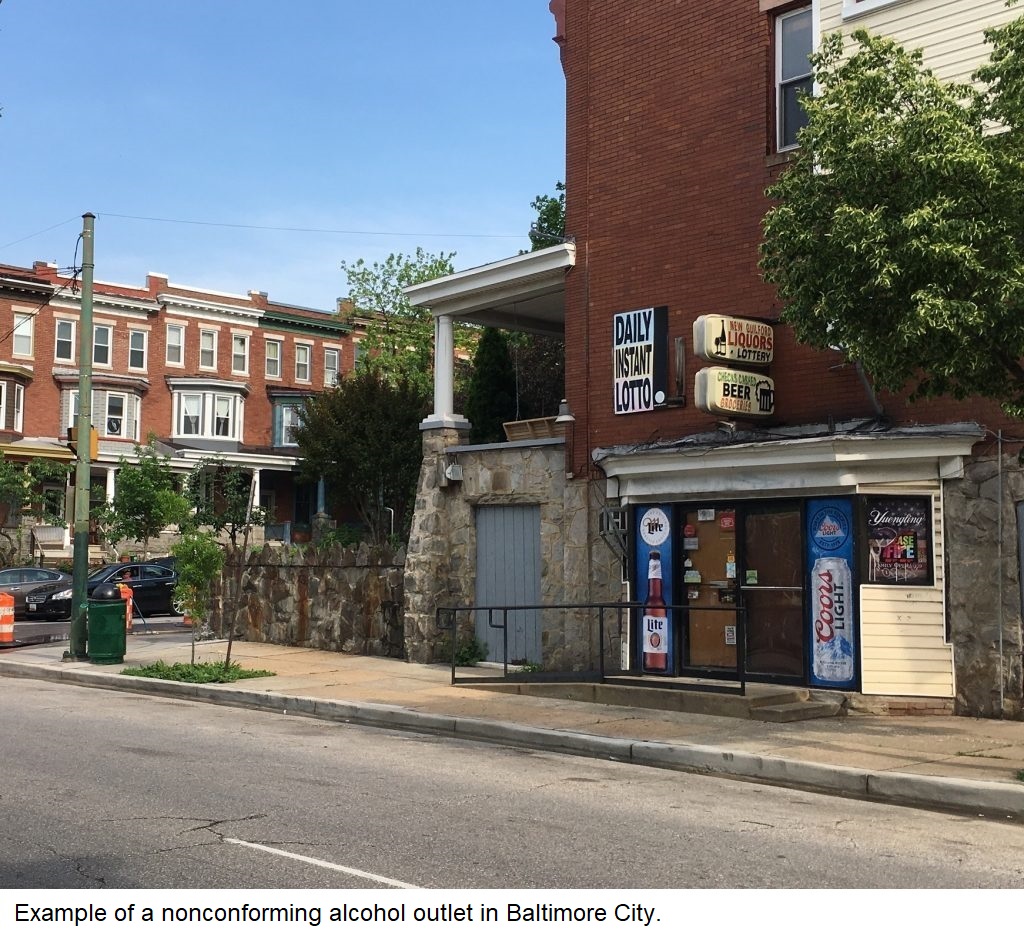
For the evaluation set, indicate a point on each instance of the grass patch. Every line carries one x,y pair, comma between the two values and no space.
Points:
202,672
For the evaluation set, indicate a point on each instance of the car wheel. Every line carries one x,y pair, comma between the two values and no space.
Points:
178,607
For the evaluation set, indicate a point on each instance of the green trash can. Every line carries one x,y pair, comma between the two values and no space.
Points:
108,636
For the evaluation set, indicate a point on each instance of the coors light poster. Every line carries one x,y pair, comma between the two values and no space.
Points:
832,622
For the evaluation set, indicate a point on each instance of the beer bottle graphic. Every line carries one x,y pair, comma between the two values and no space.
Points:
655,619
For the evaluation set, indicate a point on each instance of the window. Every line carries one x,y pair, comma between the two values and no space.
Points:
3,404
23,323
101,345
240,355
116,424
331,357
19,408
175,345
793,46
289,422
191,415
207,349
137,342
64,350
302,357
273,366
223,421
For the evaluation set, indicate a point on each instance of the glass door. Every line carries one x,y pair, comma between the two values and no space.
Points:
772,582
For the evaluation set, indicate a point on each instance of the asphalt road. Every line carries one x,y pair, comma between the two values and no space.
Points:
103,789
37,630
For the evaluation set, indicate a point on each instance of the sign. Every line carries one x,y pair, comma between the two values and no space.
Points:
898,542
832,592
734,393
639,359
731,339
653,576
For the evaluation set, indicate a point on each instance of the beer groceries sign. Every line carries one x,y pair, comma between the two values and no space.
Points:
731,391
639,356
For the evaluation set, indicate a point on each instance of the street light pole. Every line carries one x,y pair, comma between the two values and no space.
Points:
83,468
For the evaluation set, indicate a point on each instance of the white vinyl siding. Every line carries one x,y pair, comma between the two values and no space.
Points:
903,629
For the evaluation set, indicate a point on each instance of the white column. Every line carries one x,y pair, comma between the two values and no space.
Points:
255,489
444,377
111,477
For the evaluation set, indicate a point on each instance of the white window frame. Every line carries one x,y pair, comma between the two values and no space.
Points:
275,359
133,334
121,428
332,370
229,401
306,374
208,410
109,345
23,335
208,350
71,325
19,409
289,421
3,405
783,83
179,330
184,398
242,341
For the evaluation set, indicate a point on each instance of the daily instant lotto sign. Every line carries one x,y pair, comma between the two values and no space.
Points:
639,352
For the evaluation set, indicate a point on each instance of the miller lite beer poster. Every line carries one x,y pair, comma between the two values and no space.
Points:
654,586
832,621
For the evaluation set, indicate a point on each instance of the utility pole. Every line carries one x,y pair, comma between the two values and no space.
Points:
83,468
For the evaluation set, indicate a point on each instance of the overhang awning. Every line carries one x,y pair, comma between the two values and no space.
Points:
31,448
790,462
525,293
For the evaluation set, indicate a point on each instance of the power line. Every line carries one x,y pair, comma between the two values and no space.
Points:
313,231
43,232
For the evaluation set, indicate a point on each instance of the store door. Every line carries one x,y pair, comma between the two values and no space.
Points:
772,584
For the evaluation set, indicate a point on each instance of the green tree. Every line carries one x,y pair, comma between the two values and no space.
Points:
220,498
145,501
200,561
898,233
549,228
22,486
399,337
363,438
492,398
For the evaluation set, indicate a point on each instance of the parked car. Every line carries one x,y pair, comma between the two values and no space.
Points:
20,582
152,589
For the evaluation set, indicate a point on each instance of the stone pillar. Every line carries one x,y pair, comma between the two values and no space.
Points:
427,565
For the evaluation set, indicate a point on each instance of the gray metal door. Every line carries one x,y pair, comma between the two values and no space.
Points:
508,574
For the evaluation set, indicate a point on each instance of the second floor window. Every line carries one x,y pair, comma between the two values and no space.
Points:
240,355
64,348
137,349
175,345
23,323
273,364
210,414
207,349
191,421
302,356
19,409
793,47
101,345
331,369
116,425
289,423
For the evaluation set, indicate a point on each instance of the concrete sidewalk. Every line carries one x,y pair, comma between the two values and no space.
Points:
953,763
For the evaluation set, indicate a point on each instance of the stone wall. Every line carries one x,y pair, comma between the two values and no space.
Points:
983,592
340,599
576,567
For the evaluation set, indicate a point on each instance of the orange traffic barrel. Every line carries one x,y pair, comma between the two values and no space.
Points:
6,617
129,607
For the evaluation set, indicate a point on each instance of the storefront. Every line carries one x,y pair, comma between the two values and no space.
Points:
813,559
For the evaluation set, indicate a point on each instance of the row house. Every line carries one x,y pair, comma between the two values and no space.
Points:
207,374
792,525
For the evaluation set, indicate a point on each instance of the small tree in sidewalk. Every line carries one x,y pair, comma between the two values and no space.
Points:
200,561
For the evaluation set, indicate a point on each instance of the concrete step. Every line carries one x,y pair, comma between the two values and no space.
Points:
795,711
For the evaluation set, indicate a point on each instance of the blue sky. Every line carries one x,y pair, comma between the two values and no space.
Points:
424,123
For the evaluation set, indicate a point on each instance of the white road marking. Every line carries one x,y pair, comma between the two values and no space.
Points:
318,863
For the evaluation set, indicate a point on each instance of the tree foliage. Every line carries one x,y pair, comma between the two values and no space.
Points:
399,337
898,234
22,486
219,496
492,397
363,438
200,561
145,501
549,228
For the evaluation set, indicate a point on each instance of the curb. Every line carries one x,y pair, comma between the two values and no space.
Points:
930,792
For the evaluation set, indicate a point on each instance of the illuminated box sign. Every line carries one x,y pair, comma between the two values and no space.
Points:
730,339
639,356
734,393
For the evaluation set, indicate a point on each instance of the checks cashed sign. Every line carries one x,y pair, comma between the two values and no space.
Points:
639,356
733,393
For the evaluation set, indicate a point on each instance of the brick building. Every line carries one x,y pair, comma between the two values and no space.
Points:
209,374
800,528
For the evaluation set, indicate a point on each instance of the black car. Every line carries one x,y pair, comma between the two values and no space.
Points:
22,583
152,589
